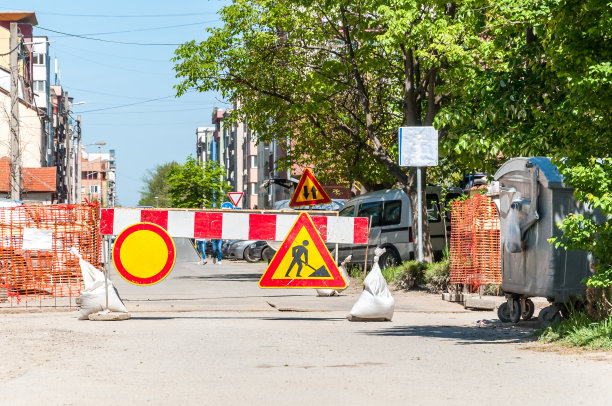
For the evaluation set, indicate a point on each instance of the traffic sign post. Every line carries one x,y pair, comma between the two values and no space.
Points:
308,192
235,197
418,147
303,261
144,254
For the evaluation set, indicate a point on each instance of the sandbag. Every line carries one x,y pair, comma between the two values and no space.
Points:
336,292
375,302
93,297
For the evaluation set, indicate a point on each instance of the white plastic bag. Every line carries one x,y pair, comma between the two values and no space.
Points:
375,302
336,292
513,242
93,297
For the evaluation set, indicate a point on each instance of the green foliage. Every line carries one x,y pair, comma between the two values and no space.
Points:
593,181
192,185
437,276
408,275
544,88
156,185
339,77
579,330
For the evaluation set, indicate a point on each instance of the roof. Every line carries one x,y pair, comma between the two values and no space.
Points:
33,179
27,17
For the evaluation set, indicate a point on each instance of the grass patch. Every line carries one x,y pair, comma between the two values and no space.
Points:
579,330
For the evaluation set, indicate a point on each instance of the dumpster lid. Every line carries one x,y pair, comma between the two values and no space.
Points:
549,175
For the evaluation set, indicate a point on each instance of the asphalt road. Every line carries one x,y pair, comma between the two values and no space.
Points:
207,335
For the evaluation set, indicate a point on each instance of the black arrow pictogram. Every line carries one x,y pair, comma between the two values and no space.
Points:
314,193
305,192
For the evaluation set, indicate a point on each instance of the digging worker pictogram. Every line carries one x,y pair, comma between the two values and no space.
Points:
297,252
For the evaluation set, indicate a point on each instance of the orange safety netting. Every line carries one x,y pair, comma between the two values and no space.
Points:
40,265
475,255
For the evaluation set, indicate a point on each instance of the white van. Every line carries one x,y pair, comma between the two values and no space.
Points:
392,224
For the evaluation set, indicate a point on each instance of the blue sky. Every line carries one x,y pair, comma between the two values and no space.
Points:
106,75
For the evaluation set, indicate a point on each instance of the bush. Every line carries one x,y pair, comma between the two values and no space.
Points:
409,275
437,276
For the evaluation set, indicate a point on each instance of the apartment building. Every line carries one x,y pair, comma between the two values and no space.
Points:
98,177
47,132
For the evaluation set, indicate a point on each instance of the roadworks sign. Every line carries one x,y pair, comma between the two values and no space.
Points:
303,261
144,254
308,192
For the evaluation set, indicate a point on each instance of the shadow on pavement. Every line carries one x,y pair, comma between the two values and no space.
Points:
175,299
246,277
494,332
152,318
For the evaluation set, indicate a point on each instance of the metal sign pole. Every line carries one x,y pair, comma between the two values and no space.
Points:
105,248
419,214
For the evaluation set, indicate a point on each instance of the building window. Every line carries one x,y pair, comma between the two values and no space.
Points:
94,189
38,59
40,85
253,161
253,187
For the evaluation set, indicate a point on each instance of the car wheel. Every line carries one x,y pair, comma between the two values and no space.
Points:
388,259
267,254
249,256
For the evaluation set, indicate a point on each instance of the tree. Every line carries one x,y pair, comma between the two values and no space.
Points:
336,78
545,90
156,185
192,185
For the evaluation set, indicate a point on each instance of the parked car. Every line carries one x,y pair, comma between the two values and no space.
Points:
225,246
257,251
391,226
236,250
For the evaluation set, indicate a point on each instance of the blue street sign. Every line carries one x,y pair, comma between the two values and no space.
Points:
227,205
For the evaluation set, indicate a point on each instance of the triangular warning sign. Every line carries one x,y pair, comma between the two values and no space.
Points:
308,192
235,197
302,261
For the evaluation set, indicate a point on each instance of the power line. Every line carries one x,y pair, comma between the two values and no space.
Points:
152,28
11,51
106,40
122,16
125,105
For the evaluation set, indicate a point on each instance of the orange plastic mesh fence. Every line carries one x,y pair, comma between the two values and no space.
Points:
40,265
475,255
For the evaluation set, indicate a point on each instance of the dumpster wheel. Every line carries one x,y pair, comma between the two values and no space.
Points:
528,310
549,314
503,313
514,308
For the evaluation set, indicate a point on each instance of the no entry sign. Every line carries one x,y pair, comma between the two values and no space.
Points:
144,254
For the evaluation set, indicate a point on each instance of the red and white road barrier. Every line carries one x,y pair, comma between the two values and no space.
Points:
233,225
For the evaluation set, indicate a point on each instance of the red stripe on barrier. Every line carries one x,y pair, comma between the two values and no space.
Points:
208,225
159,217
320,223
360,230
107,217
262,227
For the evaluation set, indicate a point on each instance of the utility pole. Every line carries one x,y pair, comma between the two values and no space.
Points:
14,122
78,163
69,153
